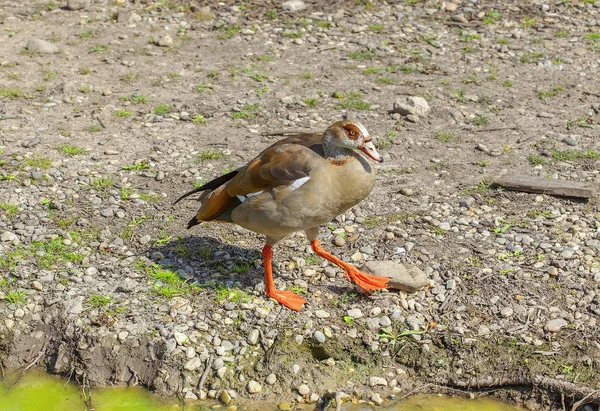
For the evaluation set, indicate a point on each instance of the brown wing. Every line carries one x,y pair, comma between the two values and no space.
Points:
280,164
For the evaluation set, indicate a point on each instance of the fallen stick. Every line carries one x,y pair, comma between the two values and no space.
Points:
540,185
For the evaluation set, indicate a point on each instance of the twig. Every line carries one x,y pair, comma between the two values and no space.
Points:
493,129
207,368
415,390
86,393
31,364
594,395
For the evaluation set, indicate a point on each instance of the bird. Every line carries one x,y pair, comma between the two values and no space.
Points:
297,183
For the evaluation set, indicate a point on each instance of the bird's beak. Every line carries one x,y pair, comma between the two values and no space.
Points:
369,149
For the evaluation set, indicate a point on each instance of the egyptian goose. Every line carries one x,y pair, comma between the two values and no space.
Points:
296,184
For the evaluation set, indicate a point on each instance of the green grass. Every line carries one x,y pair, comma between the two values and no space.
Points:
361,55
384,80
53,252
84,71
122,113
531,57
95,128
544,94
371,70
85,34
9,259
481,121
507,83
376,28
199,119
9,209
101,183
139,98
292,34
353,101
536,160
71,150
246,112
167,283
99,301
229,33
306,75
445,136
12,93
569,155
98,49
38,161
210,155
310,102
16,297
202,87
162,109
225,293
136,167
592,36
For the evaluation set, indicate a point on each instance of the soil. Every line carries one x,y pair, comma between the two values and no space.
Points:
144,100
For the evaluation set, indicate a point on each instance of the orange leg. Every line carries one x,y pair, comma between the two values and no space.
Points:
287,298
363,280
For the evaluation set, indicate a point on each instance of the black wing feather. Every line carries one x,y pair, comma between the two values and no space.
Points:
211,185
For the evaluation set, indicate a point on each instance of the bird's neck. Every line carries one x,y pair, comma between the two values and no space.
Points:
334,152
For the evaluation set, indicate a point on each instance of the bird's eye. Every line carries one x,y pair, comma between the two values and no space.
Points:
352,132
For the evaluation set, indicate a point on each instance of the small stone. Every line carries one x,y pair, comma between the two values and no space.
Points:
218,363
414,105
482,148
322,314
407,191
19,313
377,381
339,241
284,406
570,141
8,236
37,286
555,325
376,398
253,387
78,4
166,41
354,313
107,212
401,278
506,312
271,379
460,18
293,5
41,46
552,271
330,362
225,398
32,142
303,389
181,338
160,175
123,336
145,239
91,271
450,7
319,336
253,337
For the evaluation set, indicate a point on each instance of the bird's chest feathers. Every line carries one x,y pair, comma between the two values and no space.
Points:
350,182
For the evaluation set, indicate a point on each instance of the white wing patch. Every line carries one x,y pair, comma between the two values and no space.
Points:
295,185
298,183
247,196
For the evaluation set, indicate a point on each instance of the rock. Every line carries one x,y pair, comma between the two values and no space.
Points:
181,338
555,325
376,398
271,379
450,7
193,364
570,141
417,106
293,5
32,142
401,278
322,314
460,18
8,236
41,46
506,312
377,381
284,406
225,398
78,4
253,387
75,305
303,389
339,241
319,336
37,286
253,337
354,313
166,41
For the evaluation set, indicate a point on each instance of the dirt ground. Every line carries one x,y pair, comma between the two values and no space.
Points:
140,101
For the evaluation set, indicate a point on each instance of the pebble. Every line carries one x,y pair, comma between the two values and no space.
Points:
253,387
376,398
41,46
271,379
253,337
7,236
555,325
506,312
414,105
401,278
354,313
78,4
339,241
37,285
319,336
293,5
377,381
180,338
303,389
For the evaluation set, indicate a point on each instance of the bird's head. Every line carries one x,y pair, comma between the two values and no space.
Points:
353,135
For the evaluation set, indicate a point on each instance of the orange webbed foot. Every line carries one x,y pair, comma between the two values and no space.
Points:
288,298
366,281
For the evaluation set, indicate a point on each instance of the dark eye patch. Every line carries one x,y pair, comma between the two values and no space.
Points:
353,131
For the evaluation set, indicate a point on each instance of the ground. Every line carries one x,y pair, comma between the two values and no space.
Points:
142,101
